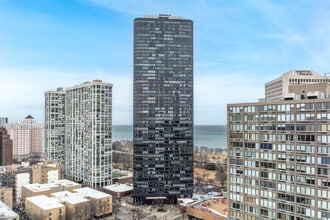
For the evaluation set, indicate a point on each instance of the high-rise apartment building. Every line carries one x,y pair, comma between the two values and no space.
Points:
6,148
27,136
279,159
54,125
163,108
88,134
276,88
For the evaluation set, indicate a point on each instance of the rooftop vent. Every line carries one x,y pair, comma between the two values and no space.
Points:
315,95
291,96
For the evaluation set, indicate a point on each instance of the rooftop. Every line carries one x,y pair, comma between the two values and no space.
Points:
89,192
66,196
45,202
119,188
36,187
215,206
65,182
6,212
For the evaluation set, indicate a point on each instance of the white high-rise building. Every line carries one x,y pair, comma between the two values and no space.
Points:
27,136
84,126
54,125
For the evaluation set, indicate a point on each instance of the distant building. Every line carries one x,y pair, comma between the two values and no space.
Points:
163,157
27,136
55,125
276,88
279,159
6,148
3,121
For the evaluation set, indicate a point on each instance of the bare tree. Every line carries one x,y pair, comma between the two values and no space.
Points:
221,177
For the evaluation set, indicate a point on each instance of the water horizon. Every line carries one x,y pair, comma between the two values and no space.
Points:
211,136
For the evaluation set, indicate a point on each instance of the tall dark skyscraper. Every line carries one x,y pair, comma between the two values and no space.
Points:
163,108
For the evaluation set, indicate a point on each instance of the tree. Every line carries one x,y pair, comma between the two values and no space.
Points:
221,177
210,166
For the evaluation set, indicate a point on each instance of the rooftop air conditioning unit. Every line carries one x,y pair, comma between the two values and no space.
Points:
291,96
315,95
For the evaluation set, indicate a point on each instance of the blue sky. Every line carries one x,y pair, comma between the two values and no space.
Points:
238,46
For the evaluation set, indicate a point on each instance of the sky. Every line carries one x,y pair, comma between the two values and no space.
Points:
238,46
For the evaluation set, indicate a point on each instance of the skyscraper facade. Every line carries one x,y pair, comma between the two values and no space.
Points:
88,134
279,159
54,125
6,148
163,108
27,136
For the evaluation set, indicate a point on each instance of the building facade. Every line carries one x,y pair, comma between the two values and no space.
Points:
54,125
6,148
27,136
3,121
279,160
276,88
163,108
88,133
47,173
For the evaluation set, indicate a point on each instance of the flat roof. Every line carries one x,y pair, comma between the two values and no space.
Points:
6,212
44,202
65,182
86,191
36,187
72,198
119,188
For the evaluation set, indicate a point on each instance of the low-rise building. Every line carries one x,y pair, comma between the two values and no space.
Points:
76,207
42,207
46,189
6,213
100,203
6,196
67,185
47,173
36,189
118,190
212,208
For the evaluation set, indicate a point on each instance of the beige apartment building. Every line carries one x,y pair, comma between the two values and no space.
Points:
47,173
276,88
42,208
279,159
79,203
100,203
6,196
27,136
46,189
76,207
